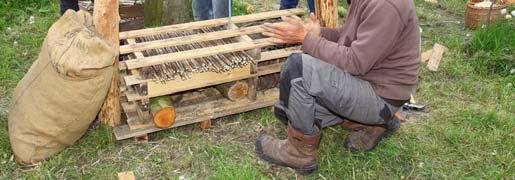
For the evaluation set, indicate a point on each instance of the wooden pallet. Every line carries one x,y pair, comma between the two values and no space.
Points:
207,104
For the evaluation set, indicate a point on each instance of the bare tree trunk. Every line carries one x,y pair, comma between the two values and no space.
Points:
179,11
327,12
153,13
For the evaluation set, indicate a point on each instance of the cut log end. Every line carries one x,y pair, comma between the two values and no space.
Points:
234,90
165,117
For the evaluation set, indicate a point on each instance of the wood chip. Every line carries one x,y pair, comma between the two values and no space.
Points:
436,57
129,175
426,55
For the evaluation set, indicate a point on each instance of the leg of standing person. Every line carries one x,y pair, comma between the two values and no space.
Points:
311,5
202,9
69,4
220,8
288,4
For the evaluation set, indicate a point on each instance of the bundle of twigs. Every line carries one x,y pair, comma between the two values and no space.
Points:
183,69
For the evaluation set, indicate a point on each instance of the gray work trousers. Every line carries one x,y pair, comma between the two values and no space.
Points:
314,92
209,9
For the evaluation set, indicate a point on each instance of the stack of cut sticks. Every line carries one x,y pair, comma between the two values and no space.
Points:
184,69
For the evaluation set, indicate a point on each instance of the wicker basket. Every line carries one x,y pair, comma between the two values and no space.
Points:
476,16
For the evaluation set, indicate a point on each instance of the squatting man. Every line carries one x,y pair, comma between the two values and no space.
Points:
356,76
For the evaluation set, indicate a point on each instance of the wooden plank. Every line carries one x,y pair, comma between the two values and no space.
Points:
189,39
106,19
426,55
136,79
205,111
196,53
132,42
128,107
279,53
436,57
122,66
269,69
209,23
135,119
196,81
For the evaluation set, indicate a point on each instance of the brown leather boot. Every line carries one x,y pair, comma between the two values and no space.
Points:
368,136
352,125
298,151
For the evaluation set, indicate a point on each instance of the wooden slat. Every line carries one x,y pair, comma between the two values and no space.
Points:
135,119
196,53
135,79
205,111
129,107
198,80
263,70
208,23
189,39
275,54
269,69
132,42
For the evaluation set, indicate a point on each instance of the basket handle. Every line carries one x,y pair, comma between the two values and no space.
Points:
490,13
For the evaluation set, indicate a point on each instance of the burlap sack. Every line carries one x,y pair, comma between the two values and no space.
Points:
54,103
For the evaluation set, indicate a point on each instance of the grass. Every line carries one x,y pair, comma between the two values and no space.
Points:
491,48
468,131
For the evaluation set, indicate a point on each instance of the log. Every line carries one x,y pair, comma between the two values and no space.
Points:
179,11
268,81
153,13
327,12
163,112
106,20
234,90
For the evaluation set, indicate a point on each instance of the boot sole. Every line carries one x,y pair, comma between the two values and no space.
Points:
301,170
385,135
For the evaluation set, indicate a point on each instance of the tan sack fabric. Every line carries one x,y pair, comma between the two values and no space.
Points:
55,102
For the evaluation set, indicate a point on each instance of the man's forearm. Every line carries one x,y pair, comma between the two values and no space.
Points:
331,34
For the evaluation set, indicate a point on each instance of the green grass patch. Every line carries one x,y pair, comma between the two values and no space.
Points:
492,49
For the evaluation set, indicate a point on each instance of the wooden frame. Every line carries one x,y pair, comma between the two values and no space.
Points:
106,19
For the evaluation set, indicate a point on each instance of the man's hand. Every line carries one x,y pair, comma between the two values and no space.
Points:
313,25
291,30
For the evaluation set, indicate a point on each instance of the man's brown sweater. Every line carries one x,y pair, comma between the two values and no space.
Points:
379,43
